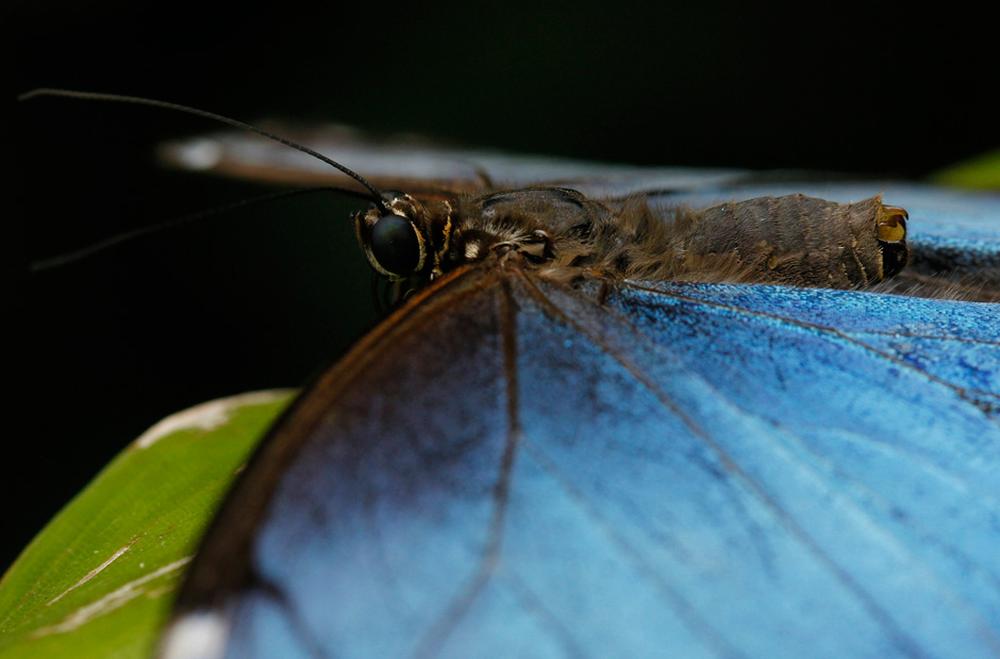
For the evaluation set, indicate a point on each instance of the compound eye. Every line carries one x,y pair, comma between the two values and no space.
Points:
396,245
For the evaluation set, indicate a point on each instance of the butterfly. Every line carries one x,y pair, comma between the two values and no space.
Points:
558,445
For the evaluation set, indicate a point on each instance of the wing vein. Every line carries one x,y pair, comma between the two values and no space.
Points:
905,643
531,602
684,609
974,615
962,392
439,632
842,476
934,337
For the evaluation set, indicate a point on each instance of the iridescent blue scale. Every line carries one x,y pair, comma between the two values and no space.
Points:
518,468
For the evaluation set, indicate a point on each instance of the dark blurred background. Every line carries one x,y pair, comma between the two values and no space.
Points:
267,296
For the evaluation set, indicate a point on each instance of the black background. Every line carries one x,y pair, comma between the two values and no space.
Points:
265,297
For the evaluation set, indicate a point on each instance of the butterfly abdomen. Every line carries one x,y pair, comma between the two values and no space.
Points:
794,239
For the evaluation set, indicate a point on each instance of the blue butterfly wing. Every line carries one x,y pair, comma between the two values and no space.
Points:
509,467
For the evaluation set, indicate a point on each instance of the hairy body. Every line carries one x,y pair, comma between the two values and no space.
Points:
795,239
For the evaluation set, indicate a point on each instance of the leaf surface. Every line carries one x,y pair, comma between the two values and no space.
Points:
980,173
99,579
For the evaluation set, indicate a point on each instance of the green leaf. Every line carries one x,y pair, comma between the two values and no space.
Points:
981,173
99,579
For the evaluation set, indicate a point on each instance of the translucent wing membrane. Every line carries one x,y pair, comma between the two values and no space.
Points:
511,467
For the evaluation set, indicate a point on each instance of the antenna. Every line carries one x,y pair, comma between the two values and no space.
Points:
376,195
119,238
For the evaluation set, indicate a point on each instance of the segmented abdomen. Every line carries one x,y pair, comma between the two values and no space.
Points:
794,239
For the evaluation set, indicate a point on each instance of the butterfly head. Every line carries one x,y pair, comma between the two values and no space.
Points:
412,239
425,238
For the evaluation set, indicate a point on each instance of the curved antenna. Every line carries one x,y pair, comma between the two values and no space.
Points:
376,195
119,238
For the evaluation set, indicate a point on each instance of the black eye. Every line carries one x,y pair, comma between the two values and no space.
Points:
395,244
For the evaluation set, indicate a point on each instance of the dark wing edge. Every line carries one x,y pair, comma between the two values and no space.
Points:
222,565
